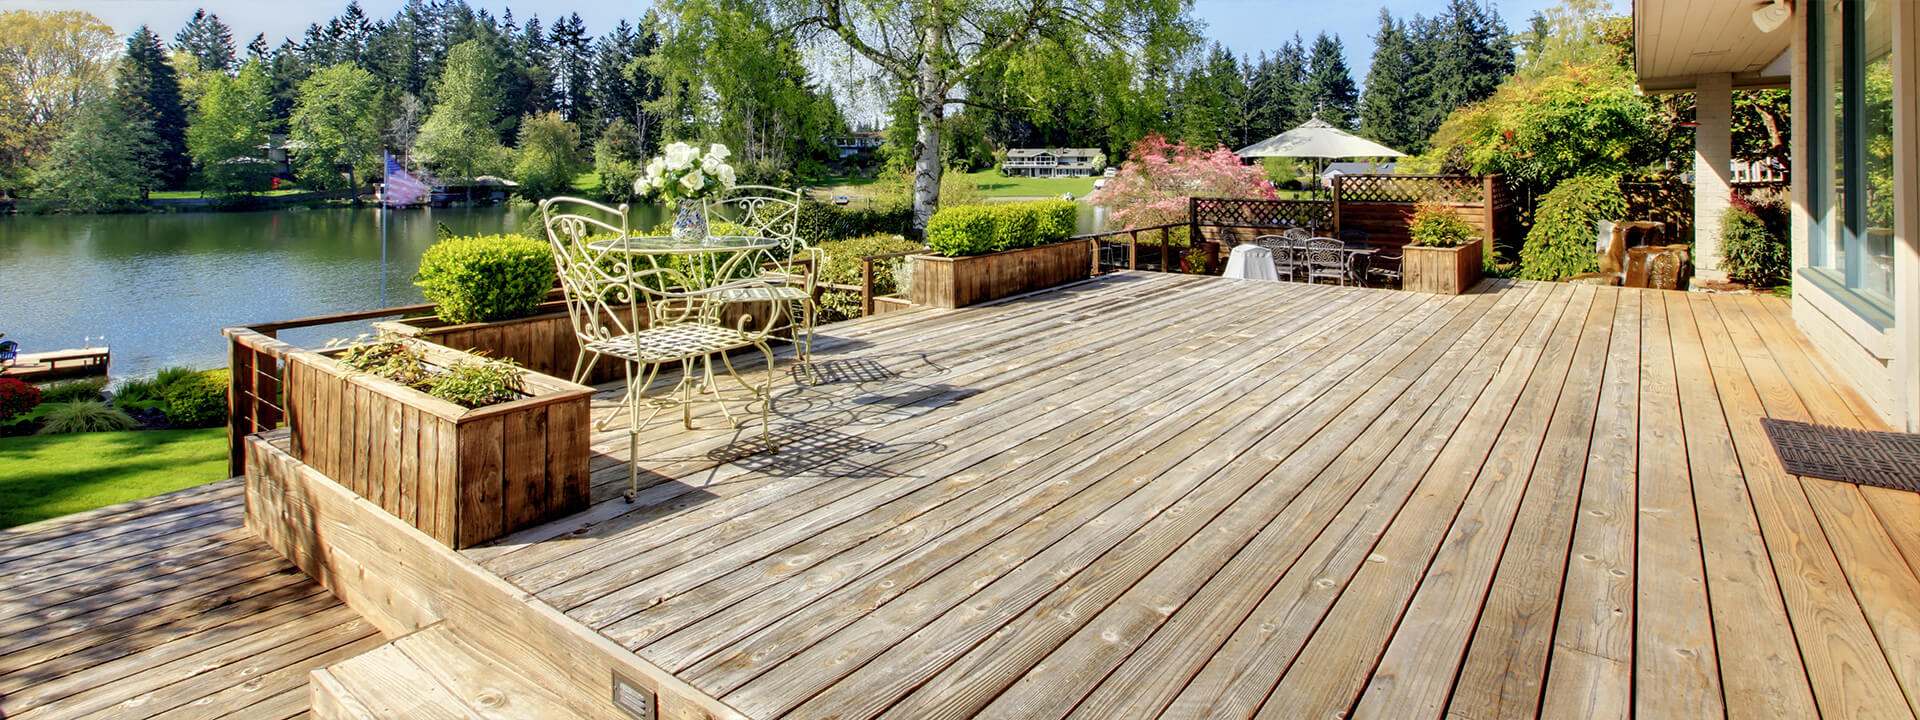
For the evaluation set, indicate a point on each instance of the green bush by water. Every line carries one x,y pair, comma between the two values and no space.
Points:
86,416
486,278
1561,243
843,267
72,391
198,400
819,223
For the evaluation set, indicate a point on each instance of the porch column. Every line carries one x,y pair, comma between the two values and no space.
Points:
1712,170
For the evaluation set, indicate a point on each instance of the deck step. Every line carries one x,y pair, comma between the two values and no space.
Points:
430,675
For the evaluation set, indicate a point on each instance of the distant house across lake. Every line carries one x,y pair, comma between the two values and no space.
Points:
1054,162
857,143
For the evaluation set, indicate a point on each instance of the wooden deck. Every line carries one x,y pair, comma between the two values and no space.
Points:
1170,496
162,608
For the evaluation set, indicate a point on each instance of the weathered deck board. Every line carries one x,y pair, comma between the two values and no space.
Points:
1156,496
1153,495
175,611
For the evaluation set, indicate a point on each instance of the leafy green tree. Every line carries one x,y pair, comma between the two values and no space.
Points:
548,157
1329,86
208,41
231,123
459,138
931,47
1581,120
97,165
51,65
1384,107
729,76
617,159
336,126
149,91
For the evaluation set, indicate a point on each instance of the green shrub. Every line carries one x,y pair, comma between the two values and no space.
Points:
1435,225
138,390
73,391
1057,219
962,230
1749,251
1561,243
171,375
17,398
486,278
1015,225
842,265
819,223
198,400
86,416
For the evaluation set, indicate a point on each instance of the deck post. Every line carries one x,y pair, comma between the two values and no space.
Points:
1336,203
866,286
1486,206
1133,250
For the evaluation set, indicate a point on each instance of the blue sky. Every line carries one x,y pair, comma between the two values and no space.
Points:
1245,26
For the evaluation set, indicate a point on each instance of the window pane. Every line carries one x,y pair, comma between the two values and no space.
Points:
1872,262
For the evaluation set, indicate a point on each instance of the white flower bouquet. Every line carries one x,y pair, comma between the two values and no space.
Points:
684,172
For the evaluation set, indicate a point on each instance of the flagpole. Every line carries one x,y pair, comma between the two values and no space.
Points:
381,217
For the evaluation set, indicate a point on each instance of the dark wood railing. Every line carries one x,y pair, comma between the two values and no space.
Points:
257,359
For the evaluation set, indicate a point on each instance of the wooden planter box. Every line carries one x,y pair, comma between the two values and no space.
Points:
463,476
945,282
1443,270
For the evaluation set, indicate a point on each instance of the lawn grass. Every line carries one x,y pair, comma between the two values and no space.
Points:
993,184
52,475
587,183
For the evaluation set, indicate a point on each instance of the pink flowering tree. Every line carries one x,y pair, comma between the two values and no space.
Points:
1154,183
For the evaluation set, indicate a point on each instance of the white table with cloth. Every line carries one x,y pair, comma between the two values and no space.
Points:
1251,262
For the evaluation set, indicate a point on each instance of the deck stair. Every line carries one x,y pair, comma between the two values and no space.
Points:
432,674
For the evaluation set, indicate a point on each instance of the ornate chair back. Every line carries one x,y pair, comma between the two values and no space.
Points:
1297,234
766,211
1325,258
596,282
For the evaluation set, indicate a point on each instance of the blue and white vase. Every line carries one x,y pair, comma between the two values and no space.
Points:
690,225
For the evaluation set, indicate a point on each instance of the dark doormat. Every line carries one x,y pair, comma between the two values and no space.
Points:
1885,459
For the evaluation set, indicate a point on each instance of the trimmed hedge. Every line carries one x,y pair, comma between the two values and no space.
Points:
820,223
486,278
980,229
842,267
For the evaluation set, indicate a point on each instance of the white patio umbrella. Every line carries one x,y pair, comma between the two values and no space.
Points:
1316,139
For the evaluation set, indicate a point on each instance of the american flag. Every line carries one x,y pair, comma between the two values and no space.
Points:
402,188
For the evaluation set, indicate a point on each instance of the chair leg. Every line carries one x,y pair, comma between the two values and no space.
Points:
633,438
765,392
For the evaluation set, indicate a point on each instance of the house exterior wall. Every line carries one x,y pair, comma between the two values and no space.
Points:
1878,351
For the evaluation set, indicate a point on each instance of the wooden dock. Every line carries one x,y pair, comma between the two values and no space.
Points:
1171,496
57,364
162,608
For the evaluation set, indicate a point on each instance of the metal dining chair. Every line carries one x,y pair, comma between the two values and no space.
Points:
1283,249
651,317
574,222
1325,259
792,277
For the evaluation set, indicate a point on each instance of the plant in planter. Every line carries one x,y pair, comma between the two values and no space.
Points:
993,251
1444,256
462,447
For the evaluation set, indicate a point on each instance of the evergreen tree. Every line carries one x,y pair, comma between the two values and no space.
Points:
458,137
230,123
1384,107
208,41
535,66
613,91
1207,99
1329,86
1467,55
148,91
355,31
99,163
286,69
1295,101
646,84
258,49
572,68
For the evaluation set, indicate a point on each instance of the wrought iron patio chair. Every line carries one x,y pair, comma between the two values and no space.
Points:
791,276
572,221
1384,266
645,316
1325,259
1283,249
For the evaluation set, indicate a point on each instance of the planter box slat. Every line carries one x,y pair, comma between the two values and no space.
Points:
463,476
945,282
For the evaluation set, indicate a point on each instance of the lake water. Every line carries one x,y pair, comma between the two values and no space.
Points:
159,287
